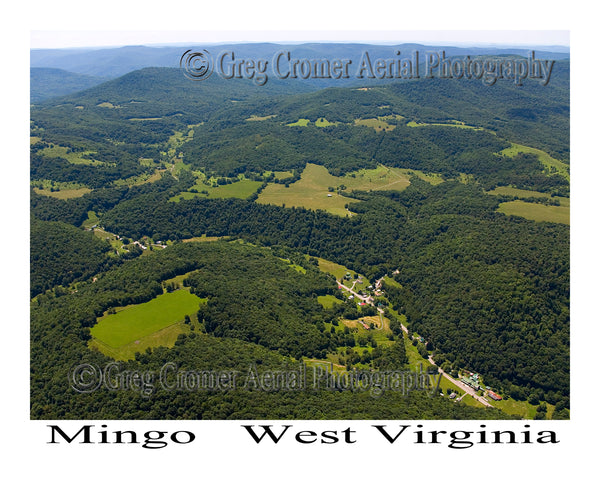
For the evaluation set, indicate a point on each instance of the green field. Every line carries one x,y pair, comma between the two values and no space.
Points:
78,158
140,179
64,194
451,123
312,191
281,175
536,211
328,301
390,281
323,122
432,178
91,220
552,164
337,270
242,189
63,190
377,123
137,321
145,119
204,238
162,338
255,118
518,192
107,105
302,122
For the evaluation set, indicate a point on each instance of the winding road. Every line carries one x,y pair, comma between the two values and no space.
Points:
456,382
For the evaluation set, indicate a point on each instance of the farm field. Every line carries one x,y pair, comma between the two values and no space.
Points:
454,123
242,189
379,124
63,194
518,192
550,163
255,118
77,158
312,190
328,301
337,270
302,122
536,211
165,337
204,238
135,322
140,179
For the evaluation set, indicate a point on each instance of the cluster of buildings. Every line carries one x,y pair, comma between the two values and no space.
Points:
472,380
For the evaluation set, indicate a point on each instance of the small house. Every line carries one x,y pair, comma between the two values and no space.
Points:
494,396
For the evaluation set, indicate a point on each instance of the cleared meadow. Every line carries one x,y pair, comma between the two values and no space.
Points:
317,189
137,321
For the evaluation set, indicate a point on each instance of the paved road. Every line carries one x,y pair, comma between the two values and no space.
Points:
458,383
366,299
462,386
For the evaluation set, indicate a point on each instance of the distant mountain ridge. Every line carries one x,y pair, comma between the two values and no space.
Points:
46,83
114,62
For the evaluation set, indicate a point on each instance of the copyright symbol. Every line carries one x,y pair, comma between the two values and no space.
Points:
85,378
196,65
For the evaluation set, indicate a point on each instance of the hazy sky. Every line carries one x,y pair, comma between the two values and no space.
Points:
66,39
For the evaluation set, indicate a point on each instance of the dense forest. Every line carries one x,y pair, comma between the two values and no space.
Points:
61,253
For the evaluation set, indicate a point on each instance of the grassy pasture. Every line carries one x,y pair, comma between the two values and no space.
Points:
451,123
146,162
302,122
281,175
64,190
134,322
323,122
65,193
91,220
165,337
518,192
380,178
377,123
242,189
536,211
140,179
550,163
204,238
146,119
328,301
107,105
390,281
56,151
255,118
312,190
337,270
432,178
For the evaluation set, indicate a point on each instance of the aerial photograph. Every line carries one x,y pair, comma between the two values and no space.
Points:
300,230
